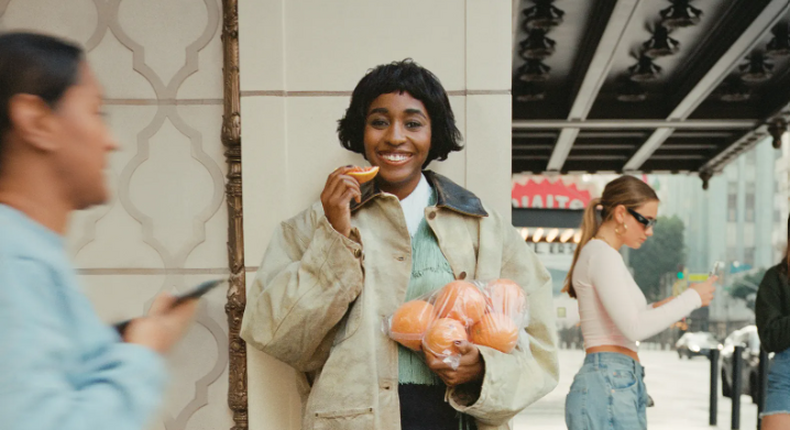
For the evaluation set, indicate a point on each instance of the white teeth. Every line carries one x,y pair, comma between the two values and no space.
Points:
395,157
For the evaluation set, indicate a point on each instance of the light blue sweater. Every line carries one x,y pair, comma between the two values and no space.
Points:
60,366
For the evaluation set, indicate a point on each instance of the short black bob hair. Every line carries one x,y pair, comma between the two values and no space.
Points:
409,77
35,64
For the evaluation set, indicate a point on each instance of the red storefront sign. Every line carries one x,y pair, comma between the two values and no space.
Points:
549,195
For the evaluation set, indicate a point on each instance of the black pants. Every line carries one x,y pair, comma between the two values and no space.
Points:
422,407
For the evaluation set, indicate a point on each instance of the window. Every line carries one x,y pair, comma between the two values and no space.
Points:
750,201
732,253
732,201
748,256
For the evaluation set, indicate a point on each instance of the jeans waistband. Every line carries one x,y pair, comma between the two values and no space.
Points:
613,358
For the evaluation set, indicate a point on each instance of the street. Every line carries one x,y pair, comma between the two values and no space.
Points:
680,389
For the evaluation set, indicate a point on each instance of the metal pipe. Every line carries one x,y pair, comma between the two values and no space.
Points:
714,379
762,382
737,386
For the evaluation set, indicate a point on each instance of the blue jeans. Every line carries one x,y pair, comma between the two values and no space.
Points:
607,393
777,394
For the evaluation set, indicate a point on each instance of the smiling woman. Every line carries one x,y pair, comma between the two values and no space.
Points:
332,271
400,120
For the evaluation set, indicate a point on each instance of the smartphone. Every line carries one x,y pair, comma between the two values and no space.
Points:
198,291
192,294
716,269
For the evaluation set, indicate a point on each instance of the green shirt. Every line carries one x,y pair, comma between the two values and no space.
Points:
429,272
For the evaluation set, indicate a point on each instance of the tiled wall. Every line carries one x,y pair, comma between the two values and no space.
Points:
300,60
166,226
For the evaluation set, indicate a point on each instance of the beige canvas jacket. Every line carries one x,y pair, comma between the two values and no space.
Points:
319,298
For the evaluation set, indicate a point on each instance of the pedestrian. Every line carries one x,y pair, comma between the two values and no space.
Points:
772,312
61,368
332,273
609,392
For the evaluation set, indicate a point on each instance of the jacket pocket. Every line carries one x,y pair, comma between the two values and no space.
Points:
348,419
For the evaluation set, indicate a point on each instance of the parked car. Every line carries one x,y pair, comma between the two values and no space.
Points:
692,344
748,338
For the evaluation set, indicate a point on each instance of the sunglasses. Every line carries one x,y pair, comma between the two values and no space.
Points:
641,219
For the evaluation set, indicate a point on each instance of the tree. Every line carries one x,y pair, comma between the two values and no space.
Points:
662,253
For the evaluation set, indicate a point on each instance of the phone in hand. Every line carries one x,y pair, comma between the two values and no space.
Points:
193,294
197,292
717,269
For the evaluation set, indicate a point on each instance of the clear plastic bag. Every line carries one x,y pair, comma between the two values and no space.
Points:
491,313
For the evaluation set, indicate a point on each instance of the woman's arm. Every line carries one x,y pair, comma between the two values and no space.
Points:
773,325
309,276
618,293
117,386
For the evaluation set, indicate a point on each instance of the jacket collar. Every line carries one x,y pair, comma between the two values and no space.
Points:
449,196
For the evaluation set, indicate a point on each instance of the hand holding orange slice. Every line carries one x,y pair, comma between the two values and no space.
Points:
363,174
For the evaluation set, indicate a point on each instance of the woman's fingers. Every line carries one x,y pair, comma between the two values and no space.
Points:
333,181
345,189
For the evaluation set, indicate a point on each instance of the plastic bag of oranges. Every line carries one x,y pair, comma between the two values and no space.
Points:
485,313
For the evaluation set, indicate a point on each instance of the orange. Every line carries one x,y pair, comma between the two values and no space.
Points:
461,301
363,174
497,331
441,336
506,297
409,323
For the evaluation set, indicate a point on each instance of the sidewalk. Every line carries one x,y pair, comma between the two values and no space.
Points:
680,389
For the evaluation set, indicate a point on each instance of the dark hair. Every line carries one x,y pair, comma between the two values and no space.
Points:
402,76
626,190
35,64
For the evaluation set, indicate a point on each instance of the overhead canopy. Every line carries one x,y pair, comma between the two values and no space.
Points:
603,100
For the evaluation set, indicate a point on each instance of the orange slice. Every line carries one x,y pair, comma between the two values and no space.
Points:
363,174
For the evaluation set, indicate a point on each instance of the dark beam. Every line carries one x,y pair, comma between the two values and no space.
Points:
687,146
531,157
702,134
611,42
678,157
597,157
535,135
608,124
603,146
611,134
532,147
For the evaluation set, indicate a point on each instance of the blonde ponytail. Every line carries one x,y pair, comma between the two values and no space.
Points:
627,191
589,227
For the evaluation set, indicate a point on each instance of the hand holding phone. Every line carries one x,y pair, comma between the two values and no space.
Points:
707,289
163,326
192,294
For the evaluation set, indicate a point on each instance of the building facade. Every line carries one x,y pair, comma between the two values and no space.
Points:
737,220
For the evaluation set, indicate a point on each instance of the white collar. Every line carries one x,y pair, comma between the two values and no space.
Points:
415,203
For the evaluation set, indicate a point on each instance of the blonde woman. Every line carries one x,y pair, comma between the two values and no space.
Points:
608,392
